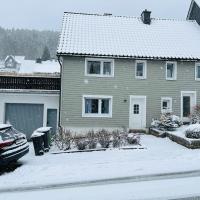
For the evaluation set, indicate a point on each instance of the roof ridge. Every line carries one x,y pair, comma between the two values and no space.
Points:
123,16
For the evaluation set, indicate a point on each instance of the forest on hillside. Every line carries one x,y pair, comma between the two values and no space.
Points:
28,43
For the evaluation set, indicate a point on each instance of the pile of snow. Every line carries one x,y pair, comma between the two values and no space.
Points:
193,131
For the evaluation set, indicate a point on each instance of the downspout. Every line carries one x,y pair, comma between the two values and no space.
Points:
59,113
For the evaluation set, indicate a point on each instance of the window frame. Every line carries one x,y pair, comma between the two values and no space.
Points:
144,69
101,67
99,114
175,71
170,106
196,71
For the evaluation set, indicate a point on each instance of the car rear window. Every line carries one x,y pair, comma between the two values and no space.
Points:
7,134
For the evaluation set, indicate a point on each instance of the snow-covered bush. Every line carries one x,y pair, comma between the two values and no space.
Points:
167,121
195,116
63,139
193,131
133,138
104,137
80,142
91,139
116,138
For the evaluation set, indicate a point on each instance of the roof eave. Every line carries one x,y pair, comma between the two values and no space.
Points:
128,57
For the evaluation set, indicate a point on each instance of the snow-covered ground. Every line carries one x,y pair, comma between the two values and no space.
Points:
160,156
152,190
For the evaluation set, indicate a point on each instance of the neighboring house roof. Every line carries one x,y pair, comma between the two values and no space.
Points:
191,6
119,36
31,67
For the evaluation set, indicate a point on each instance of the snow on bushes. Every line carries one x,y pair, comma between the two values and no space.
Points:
193,131
195,116
66,140
167,121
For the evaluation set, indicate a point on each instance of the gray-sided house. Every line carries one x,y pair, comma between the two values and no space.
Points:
194,11
122,71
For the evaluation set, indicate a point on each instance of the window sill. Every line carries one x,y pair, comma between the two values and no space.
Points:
99,76
97,115
140,78
170,79
197,79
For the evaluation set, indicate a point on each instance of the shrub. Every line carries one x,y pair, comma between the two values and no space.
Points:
91,138
193,131
104,138
80,142
63,139
116,138
195,116
133,138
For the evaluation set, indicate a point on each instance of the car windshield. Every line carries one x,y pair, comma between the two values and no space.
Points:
7,134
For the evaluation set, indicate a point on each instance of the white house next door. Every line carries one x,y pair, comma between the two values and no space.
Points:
137,112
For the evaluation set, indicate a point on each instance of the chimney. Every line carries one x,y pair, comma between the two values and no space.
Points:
146,17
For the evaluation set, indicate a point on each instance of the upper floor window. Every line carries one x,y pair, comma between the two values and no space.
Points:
140,69
166,104
197,71
171,70
99,67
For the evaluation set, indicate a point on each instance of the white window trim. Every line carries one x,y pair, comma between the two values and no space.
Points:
196,65
175,71
101,67
145,69
164,99
100,115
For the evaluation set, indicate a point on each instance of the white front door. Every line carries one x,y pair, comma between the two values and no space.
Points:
188,101
137,112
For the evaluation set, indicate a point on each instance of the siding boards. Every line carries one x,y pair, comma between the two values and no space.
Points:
121,87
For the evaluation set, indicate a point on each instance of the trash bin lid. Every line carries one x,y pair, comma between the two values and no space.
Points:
43,129
36,134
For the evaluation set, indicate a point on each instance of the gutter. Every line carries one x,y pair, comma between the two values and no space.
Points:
59,113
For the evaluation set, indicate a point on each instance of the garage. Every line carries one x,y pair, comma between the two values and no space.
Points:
24,117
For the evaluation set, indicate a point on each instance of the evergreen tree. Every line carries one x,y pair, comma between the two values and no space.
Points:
46,54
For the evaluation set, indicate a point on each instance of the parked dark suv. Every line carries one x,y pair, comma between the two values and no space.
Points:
13,145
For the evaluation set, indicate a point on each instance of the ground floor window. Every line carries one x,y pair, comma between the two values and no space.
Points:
166,104
97,106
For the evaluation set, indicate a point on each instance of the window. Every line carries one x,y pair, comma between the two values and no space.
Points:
99,67
97,106
197,71
140,69
136,109
166,104
171,70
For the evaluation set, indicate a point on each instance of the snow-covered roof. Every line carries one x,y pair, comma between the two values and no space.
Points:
198,2
118,36
31,67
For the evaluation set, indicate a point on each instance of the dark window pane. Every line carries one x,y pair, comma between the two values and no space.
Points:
105,106
186,106
140,69
170,70
91,105
93,67
165,105
136,109
107,68
198,71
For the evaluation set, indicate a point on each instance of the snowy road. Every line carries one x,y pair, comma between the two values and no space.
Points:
109,181
152,190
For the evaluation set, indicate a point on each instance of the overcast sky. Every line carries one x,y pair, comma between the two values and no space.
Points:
47,14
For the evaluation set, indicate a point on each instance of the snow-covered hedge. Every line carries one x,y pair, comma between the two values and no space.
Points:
66,140
193,131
